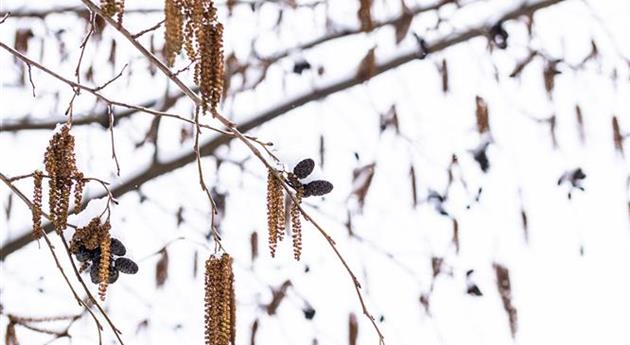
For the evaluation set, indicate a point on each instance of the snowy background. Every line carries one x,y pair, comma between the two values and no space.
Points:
569,267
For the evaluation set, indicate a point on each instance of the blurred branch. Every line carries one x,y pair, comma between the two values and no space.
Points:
207,149
349,32
82,12
102,118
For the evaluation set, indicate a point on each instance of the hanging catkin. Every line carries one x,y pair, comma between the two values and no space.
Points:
220,308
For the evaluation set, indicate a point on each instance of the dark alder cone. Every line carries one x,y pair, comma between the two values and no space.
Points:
117,247
83,254
94,273
499,36
127,266
309,313
304,168
474,291
113,274
317,188
301,66
482,159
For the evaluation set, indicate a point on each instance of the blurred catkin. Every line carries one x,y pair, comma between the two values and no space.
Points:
173,36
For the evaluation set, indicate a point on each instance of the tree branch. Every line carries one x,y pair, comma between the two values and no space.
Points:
207,149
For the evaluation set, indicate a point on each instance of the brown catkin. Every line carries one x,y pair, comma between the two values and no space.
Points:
280,210
296,225
173,36
78,191
112,7
220,309
37,205
272,213
103,272
88,236
216,76
60,163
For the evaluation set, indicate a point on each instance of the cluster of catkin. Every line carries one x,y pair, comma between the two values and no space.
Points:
60,163
96,235
220,309
192,25
276,215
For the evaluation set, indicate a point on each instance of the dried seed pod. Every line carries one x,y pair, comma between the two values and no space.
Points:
220,307
304,168
38,232
296,225
104,265
117,247
317,188
126,266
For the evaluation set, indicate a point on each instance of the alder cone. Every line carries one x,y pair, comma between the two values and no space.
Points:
125,265
317,188
117,248
304,168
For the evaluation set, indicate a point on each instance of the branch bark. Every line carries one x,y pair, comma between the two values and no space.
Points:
102,118
207,149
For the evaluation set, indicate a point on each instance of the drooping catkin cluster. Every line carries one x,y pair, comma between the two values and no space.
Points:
62,170
96,235
276,212
276,219
296,224
111,7
193,25
38,232
89,236
365,15
220,307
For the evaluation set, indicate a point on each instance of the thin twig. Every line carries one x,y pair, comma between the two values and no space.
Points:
23,197
154,27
